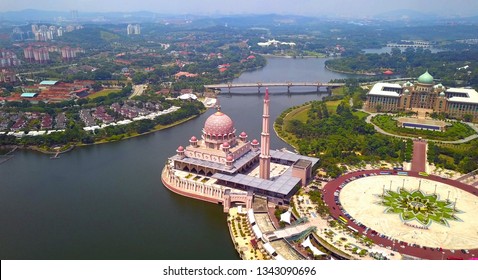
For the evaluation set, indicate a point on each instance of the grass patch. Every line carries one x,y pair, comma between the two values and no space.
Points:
298,114
332,106
361,115
104,92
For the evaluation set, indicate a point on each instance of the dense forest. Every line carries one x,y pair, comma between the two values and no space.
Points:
452,68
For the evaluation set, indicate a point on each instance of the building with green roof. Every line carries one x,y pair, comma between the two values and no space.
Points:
424,96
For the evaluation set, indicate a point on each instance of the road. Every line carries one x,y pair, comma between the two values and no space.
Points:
138,90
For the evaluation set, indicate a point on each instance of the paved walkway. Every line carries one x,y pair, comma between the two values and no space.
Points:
419,159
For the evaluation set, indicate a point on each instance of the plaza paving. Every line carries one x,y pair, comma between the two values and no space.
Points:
361,197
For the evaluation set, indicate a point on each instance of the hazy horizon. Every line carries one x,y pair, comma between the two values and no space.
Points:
345,8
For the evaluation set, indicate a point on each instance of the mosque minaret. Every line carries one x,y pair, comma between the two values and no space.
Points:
265,157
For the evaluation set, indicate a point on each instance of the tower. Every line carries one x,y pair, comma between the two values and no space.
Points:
265,157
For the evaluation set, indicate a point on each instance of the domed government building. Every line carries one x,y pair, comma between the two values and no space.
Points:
423,96
225,168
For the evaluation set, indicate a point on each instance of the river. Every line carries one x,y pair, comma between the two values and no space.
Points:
107,201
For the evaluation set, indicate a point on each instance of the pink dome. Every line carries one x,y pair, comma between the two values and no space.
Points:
219,124
229,158
180,148
243,134
255,142
226,145
193,138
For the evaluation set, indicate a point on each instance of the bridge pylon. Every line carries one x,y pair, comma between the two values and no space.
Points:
289,84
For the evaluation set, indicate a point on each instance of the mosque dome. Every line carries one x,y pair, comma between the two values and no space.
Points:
229,158
219,124
193,139
442,93
180,149
226,145
426,78
243,134
255,142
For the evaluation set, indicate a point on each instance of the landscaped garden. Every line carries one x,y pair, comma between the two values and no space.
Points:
455,131
417,206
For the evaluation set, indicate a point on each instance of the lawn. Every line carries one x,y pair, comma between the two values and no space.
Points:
361,115
332,106
104,92
298,114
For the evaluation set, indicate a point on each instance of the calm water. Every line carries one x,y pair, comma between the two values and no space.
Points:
389,50
107,201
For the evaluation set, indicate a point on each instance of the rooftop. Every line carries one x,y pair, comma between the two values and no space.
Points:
48,83
471,93
380,89
283,185
29,94
302,163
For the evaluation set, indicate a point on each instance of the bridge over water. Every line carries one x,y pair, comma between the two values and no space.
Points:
260,85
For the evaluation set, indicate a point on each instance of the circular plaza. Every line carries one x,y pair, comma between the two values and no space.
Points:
428,217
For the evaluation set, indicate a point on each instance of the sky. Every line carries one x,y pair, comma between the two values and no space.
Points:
349,8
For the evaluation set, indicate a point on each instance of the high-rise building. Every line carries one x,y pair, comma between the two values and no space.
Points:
28,54
41,55
133,29
35,28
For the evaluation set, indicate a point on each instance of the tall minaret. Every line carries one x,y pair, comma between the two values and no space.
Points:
265,157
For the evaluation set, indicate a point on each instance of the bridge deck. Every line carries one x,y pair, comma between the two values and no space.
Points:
274,84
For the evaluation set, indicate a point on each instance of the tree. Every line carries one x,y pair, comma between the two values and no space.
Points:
468,117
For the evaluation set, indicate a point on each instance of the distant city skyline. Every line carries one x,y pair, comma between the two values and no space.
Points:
345,8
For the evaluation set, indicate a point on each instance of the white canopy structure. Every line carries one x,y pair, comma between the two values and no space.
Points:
279,258
257,231
270,250
307,244
188,96
285,217
250,215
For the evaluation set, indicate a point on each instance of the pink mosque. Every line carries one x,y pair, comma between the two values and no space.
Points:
223,168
